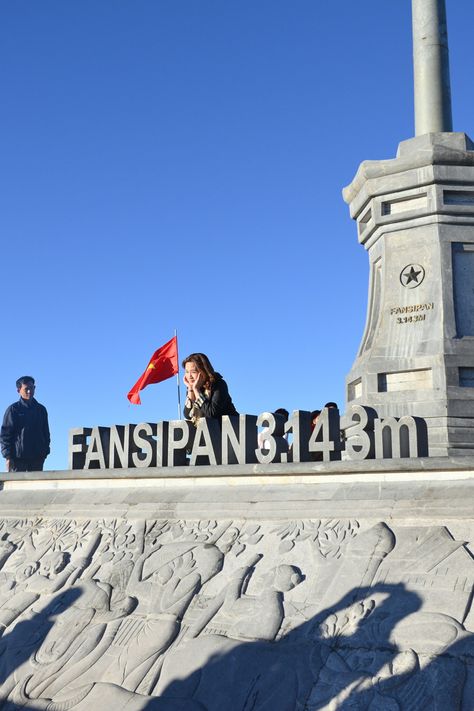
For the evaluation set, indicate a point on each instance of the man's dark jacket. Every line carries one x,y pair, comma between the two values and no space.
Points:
25,431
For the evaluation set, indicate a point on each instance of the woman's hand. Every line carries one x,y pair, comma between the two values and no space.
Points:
191,394
195,385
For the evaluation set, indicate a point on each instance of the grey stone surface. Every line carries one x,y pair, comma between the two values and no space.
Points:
415,217
431,67
251,471
349,586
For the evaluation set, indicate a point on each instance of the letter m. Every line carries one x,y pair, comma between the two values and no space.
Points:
400,437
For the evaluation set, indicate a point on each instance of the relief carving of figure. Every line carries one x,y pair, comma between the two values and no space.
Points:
135,625
178,572
84,624
40,574
240,616
33,580
126,651
237,628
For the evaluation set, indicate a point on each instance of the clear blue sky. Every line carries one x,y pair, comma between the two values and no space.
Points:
179,164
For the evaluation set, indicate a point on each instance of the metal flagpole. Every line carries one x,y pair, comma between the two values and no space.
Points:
177,376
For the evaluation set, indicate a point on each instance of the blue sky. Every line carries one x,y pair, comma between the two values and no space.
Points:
179,164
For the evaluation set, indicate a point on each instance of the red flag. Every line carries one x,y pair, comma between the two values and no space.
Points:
163,365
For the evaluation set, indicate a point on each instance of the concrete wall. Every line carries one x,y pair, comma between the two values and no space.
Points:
277,587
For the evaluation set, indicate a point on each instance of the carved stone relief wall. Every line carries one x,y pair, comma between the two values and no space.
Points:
234,615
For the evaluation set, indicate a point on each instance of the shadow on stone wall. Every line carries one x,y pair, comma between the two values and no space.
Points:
20,646
354,655
323,665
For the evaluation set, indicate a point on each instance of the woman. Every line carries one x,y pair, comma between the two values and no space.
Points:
208,395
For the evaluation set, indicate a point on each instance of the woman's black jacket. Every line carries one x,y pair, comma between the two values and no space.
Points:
218,403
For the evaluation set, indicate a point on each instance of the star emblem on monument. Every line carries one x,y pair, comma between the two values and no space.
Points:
412,275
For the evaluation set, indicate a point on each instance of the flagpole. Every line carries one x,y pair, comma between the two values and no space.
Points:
177,376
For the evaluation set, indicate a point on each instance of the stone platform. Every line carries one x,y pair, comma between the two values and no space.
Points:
263,587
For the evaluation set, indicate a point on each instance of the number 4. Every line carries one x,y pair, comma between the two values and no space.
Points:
326,438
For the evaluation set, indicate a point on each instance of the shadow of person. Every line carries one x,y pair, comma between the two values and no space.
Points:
19,646
424,660
443,676
458,657
374,650
336,654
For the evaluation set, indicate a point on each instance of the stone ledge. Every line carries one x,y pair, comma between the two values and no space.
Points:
413,494
368,467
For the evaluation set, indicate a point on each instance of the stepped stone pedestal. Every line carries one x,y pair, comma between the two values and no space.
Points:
415,217
303,586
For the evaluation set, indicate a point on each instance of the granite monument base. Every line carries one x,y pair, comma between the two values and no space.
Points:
415,217
263,587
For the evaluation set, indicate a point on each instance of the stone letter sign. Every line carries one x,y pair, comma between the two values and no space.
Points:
234,440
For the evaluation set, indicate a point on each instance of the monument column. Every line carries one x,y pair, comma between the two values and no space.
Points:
415,217
431,67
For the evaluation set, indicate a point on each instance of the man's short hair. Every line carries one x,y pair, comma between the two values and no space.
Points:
331,404
24,380
282,411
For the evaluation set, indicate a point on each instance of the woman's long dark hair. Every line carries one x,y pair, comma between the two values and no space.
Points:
204,364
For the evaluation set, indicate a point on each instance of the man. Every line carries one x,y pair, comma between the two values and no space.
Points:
24,437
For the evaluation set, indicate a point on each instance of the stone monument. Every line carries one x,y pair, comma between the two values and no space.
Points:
147,580
265,587
415,217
